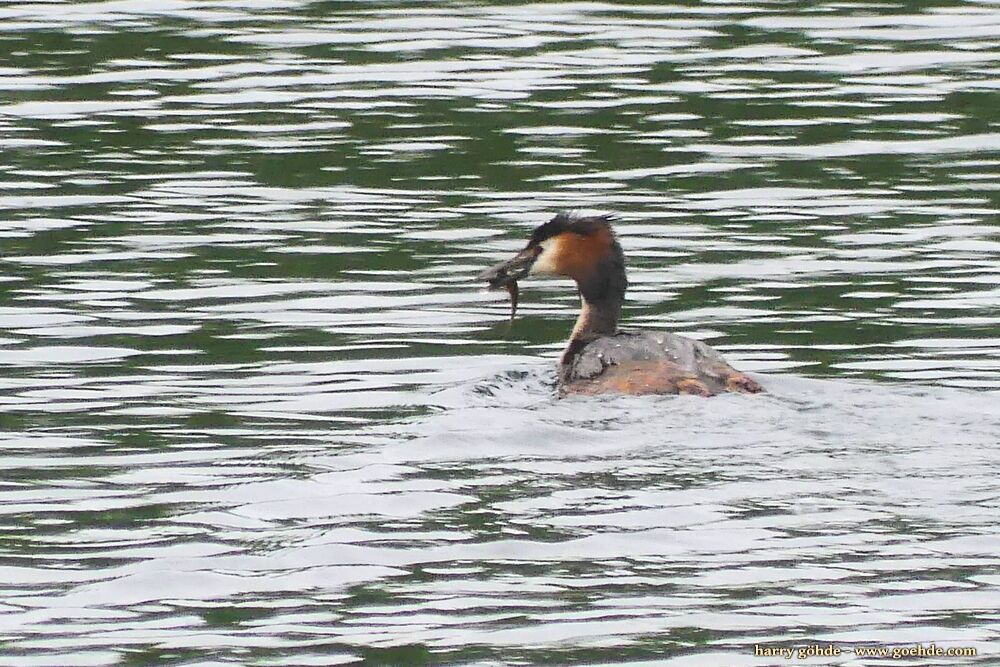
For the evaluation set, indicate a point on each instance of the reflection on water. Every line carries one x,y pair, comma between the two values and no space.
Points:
254,412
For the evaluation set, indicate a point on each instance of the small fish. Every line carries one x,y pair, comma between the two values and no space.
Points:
513,291
507,273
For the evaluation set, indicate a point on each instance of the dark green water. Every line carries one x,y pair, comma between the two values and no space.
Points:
254,411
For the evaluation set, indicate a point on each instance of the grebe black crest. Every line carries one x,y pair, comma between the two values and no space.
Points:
599,358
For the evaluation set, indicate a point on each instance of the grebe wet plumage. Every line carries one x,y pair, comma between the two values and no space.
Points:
599,357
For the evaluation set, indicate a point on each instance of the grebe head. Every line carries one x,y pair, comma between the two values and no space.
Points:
580,248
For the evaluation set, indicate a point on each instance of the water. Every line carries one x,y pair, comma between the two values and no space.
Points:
255,412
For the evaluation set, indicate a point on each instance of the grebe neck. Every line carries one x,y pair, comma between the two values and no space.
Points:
601,295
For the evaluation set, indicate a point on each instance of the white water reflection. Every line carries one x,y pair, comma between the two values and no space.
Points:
783,502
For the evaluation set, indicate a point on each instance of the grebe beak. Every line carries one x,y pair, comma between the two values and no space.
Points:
512,270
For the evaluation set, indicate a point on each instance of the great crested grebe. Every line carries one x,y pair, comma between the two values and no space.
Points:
599,357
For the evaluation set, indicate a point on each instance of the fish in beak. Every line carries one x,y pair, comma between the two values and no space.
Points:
507,273
510,270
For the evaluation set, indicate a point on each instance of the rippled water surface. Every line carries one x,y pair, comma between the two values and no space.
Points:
255,411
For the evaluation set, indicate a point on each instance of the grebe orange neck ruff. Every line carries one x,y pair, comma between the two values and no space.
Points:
599,358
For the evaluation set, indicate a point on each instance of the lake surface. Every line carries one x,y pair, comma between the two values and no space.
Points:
255,411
